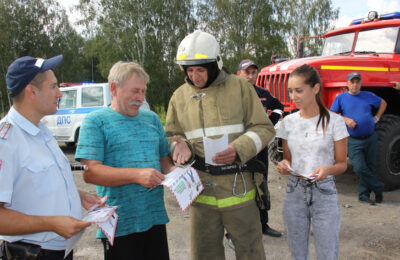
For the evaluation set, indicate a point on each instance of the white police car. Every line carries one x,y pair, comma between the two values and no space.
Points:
77,101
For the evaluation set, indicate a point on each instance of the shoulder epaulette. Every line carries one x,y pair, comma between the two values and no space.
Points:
4,129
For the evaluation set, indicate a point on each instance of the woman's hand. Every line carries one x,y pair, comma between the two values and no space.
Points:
321,173
283,167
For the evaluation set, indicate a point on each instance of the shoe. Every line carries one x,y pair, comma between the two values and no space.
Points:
379,198
367,200
271,232
229,241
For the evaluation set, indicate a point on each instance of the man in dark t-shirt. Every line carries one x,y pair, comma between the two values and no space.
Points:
274,108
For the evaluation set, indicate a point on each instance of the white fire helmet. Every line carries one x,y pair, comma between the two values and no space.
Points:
198,48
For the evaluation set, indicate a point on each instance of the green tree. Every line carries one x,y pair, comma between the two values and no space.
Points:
147,32
305,18
37,28
245,29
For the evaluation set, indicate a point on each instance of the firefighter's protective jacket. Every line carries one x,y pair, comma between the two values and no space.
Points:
230,106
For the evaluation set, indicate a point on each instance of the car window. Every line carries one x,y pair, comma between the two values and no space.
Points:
92,96
68,100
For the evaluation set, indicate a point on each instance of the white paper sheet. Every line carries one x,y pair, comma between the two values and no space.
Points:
185,184
71,242
214,146
295,173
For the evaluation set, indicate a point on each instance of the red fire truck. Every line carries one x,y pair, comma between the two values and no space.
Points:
370,46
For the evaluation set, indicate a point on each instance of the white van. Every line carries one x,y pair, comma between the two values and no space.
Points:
77,101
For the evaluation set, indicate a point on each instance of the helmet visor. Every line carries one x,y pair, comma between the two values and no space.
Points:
194,62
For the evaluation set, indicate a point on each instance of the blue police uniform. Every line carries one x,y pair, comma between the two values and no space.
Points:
35,177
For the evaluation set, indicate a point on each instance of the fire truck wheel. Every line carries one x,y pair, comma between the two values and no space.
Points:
388,159
275,152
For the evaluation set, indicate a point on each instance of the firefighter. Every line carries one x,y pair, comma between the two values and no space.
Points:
212,103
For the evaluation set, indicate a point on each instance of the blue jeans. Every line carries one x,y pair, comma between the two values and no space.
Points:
362,153
312,203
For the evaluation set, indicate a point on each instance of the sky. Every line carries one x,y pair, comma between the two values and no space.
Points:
354,9
348,9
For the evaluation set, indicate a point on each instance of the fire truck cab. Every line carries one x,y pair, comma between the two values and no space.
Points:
370,46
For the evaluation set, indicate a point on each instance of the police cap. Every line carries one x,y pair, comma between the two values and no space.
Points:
23,70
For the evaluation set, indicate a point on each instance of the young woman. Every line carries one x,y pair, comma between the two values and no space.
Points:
314,150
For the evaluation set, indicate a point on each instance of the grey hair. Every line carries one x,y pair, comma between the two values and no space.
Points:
121,70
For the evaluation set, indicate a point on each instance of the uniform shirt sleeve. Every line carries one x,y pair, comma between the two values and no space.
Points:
276,108
91,140
8,170
275,103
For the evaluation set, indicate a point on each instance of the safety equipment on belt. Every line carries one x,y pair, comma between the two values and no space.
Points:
198,48
252,165
19,250
234,185
263,199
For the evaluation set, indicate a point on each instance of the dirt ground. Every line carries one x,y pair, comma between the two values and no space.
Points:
367,232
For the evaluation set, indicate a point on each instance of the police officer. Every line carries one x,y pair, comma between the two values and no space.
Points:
40,206
248,69
212,103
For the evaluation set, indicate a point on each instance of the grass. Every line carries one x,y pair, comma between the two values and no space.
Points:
159,109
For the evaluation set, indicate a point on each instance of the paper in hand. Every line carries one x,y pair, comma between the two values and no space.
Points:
214,146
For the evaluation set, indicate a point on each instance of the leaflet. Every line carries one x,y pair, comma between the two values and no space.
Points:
108,227
293,172
99,215
185,184
71,242
214,146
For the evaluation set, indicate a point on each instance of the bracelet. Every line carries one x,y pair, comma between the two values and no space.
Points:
376,118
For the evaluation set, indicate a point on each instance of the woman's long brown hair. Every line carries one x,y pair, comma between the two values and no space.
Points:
312,78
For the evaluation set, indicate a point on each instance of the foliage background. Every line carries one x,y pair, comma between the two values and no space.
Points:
149,32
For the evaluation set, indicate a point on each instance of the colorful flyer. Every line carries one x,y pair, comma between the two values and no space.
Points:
108,227
101,214
185,184
105,218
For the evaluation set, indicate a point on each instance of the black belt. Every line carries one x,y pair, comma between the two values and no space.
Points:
252,165
27,251
361,137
